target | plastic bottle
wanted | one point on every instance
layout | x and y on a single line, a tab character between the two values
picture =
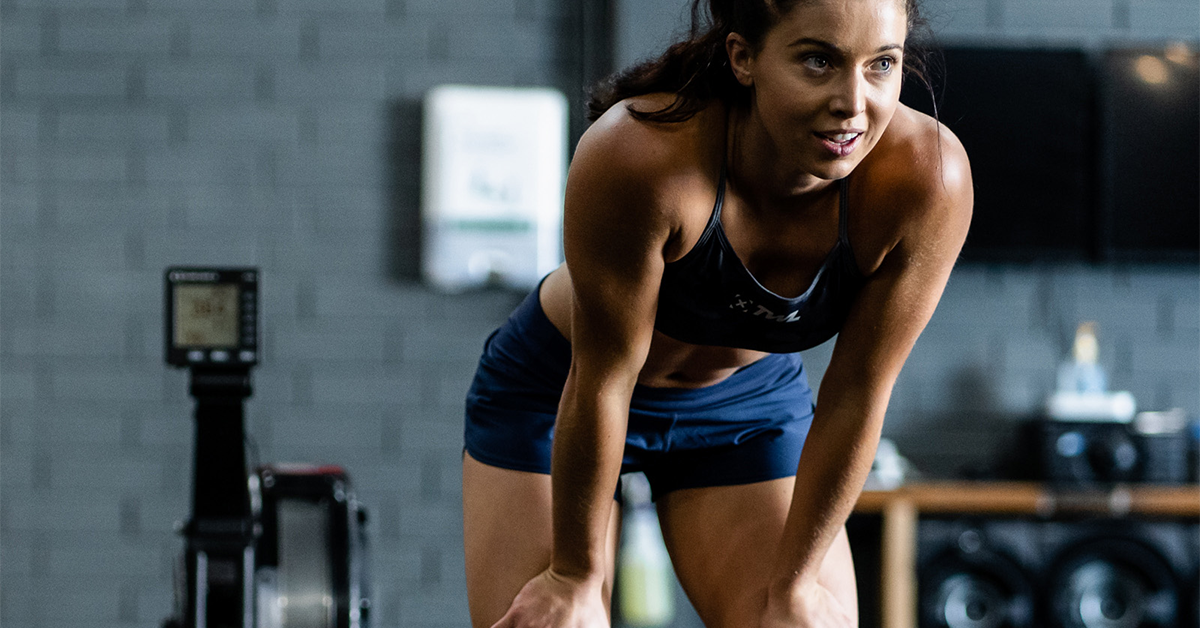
1083	374
645	582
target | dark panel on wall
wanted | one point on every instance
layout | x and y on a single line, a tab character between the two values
1151	154
1026	120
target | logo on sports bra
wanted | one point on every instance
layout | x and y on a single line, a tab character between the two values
750	307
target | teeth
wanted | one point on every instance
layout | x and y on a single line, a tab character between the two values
842	137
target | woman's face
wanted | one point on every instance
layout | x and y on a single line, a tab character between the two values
826	81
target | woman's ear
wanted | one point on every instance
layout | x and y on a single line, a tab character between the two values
741	58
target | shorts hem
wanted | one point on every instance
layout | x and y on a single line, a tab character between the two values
502	463
658	492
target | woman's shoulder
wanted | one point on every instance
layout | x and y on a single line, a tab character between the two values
633	191
627	144
669	170
920	162
914	185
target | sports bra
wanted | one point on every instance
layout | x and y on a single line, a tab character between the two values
708	297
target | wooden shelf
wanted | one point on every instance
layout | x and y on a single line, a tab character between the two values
1031	498
901	510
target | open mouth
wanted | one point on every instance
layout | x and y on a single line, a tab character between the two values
840	144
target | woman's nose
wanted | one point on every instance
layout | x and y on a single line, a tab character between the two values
850	97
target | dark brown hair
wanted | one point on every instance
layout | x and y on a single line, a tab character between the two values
697	69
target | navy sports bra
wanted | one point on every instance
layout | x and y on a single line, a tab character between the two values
708	297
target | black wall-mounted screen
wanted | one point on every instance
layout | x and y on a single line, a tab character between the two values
1026	119
1150	147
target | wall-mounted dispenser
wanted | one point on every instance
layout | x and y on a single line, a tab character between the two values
494	169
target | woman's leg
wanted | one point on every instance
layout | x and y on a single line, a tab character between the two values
723	541
507	535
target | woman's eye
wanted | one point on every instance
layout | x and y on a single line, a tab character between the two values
884	65
816	62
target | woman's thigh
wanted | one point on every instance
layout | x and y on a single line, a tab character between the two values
723	541
507	536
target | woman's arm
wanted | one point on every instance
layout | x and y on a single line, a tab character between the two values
615	229
890	312
613	240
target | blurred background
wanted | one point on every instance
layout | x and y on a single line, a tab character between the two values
287	135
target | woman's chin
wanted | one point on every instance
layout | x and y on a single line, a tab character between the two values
833	169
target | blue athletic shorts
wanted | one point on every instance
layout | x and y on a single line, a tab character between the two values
750	427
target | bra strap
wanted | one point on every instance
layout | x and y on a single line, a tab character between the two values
716	214
843	209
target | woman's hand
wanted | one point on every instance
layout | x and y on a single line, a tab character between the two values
551	600
807	605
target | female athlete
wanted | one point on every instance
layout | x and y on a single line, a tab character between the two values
750	194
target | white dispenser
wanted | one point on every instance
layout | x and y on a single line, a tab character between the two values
494	170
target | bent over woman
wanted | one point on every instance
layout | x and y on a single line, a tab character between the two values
753	192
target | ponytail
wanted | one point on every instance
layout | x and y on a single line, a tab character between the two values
696	70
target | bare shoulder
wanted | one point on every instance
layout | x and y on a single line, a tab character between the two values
644	175
922	170
921	159
648	155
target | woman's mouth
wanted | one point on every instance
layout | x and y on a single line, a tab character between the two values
840	143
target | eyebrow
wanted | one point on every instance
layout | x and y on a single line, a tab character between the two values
809	41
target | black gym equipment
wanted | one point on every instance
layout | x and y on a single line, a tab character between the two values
1099	453
310	567
284	547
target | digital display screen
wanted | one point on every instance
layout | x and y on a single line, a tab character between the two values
206	316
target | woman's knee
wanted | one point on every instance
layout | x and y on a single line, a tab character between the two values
724	541
507	536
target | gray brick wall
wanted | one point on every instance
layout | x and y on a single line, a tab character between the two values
1087	22
281	134
644	27
137	134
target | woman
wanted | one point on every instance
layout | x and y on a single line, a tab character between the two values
750	194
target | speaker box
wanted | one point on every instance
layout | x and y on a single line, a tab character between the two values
1090	452
866	548
1085	573
974	573
1114	582
1193	593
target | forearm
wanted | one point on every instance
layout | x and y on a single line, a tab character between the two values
833	467
589	442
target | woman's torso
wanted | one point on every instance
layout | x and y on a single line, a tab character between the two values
783	250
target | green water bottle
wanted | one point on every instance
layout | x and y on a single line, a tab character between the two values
645	583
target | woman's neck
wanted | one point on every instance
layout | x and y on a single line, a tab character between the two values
762	170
